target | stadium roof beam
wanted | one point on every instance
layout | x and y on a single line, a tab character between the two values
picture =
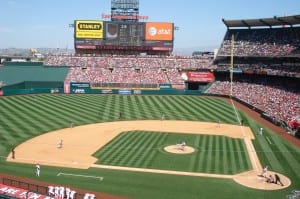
246	24
283	21
264	22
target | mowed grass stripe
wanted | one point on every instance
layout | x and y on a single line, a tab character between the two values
153	107
45	109
231	156
225	155
146	104
121	157
203	152
194	162
147	163
23	120
139	146
188	109
69	112
151	146
225	112
209	154
218	113
143	148
106	113
269	154
113	149
285	156
134	108
239	156
217	155
36	114
195	108
236	155
207	114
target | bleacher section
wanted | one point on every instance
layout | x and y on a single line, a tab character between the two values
266	69
262	42
278	98
129	71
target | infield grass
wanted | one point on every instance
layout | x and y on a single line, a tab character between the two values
24	117
141	149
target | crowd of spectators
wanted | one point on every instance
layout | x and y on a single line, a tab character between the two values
140	61
286	69
142	70
268	42
282	103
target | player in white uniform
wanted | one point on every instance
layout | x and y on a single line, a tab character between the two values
37	169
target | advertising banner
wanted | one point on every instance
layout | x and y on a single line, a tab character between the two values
125	92
197	76
80	85
159	31
19	193
88	29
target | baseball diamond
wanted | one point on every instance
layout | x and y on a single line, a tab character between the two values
77	155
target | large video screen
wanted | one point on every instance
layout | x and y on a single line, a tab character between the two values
123	35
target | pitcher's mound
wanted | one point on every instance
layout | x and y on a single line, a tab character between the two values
178	150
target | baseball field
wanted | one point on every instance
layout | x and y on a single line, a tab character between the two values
128	146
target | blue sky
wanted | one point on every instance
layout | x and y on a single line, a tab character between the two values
45	23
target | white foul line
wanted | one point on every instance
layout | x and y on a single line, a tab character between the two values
247	141
84	176
268	140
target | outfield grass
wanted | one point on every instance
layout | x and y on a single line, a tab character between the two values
24	117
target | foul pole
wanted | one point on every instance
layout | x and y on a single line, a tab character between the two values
231	65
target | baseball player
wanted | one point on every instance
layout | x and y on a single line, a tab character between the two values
261	131
13	153
162	116
37	169
60	144
264	171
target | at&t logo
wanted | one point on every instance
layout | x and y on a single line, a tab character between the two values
152	31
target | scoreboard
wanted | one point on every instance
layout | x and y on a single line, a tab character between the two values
124	34
96	34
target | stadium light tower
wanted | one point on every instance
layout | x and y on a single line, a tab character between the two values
124	10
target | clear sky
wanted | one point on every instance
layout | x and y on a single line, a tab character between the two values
45	23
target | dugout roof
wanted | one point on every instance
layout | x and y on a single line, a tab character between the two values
266	22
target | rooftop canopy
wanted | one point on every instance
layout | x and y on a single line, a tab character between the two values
270	22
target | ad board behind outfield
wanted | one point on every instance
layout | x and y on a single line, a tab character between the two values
159	31
87	29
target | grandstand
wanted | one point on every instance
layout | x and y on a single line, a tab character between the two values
266	65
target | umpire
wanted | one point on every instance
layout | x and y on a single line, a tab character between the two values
277	179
